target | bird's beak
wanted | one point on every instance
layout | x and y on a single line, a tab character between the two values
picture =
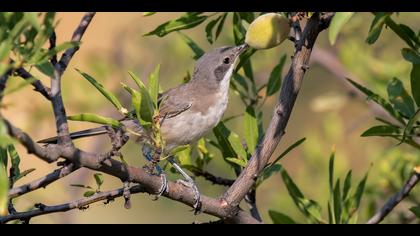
241	49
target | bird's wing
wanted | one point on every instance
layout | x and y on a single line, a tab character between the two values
171	106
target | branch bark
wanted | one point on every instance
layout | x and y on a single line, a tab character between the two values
43	209
42	182
396	199
276	129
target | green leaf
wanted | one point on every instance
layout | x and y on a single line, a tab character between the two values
24	173
146	103
357	197
411	55
241	81
40	58
244	58
268	172
81	186
135	100
274	82
337	202
3	157
184	155
399	97
416	211
20	86
337	22
378	99
154	85
99	179
280	218
309	208
89	193
290	148
400	31
376	27
148	13
179	149
411	122
198	52
347	185
209	28
46	68
32	18
236	161
415	83
331	171
251	129
186	21
220	26
221	132
108	95
4	190
5	139
89	117
383	131
15	161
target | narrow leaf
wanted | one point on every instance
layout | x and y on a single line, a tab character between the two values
99	179
415	83
376	27
148	13
378	99
154	85
89	117
382	130
347	185
146	103
198	52
4	190
89	193
290	148
411	55
251	129
110	96
186	21
399	97
337	202
209	28
236	161
280	218
274	82
337	22
15	161
416	211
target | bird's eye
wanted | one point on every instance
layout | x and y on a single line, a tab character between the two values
226	60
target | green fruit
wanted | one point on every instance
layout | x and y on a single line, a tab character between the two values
267	31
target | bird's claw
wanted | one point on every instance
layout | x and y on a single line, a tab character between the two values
197	196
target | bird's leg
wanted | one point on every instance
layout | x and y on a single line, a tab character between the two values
153	165
189	182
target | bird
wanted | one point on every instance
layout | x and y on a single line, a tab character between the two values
186	112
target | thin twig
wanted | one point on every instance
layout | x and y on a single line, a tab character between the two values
78	204
396	199
212	178
37	84
42	182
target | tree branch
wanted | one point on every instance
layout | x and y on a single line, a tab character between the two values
211	178
43	210
289	91
60	67
396	199
42	182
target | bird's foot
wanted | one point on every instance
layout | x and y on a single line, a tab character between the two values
197	197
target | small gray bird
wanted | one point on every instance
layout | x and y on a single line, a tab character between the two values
188	111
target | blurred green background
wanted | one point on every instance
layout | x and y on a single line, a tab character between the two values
324	114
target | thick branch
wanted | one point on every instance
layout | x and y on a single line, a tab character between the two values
151	183
42	182
396	199
43	210
289	91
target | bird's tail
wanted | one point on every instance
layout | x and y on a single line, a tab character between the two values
79	134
